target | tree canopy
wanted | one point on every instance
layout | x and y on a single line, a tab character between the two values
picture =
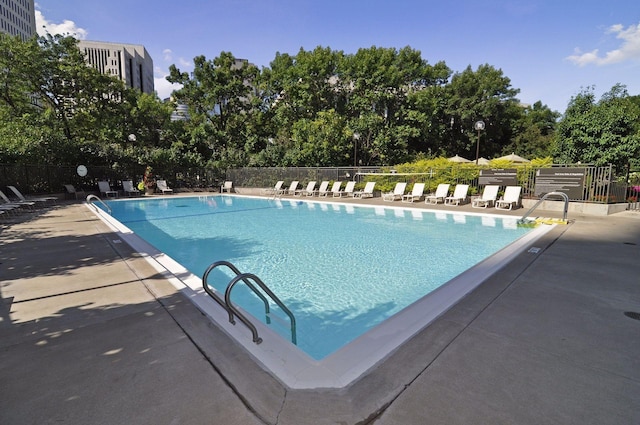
320	107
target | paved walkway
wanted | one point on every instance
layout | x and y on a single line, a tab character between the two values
90	333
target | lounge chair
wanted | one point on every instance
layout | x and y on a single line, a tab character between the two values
416	193
226	187
324	187
105	189
129	189
71	190
13	206
292	189
441	192
348	190
459	195
274	190
335	188
511	198
43	199
488	198
367	192
398	192
163	187
306	191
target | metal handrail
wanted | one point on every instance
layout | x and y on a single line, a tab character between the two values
91	198
246	278
219	300
563	195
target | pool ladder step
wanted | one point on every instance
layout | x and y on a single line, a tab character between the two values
252	282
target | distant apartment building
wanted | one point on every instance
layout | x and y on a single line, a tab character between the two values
130	63
18	17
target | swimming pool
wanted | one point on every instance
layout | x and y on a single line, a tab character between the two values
342	269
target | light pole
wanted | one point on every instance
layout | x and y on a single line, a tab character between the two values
356	137
479	126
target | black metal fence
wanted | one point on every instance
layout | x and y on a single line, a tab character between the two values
41	179
599	184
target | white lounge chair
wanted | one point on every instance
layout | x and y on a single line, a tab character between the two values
226	187
441	192
13	206
459	195
348	190
322	190
367	192
306	191
511	198
274	190
335	188
488	198
129	189
43	199
292	188
416	193
105	189
397	193
162	187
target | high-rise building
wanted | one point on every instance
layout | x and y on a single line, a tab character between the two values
130	63
18	17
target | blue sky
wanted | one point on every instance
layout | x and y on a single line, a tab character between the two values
550	50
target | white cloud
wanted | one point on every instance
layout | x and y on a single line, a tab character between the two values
629	49
161	85
67	27
167	55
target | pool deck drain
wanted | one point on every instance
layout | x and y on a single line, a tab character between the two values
91	333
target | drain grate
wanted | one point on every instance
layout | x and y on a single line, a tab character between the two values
632	315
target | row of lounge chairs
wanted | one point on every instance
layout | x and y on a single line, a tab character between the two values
323	190
12	207
510	200
128	188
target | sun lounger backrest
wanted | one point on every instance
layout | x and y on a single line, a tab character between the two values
442	190
399	189
490	192
418	189
349	187
461	191
336	186
512	193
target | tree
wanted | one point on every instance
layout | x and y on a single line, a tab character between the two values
485	94
534	132
221	98
600	133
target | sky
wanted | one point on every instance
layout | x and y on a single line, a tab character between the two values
551	50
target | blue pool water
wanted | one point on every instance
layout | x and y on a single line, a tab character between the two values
340	269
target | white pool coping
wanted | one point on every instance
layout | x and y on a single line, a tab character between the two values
293	367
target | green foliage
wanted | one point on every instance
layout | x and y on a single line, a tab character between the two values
602	132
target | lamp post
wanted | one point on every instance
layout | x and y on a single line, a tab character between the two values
356	137
479	126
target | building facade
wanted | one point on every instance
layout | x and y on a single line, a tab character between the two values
18	17
130	63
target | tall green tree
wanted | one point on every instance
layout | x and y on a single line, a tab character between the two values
534	132
222	100
600	132
481	95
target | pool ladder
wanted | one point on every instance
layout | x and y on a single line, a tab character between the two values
564	197
250	280
91	198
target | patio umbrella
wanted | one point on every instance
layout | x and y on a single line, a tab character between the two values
458	158
483	161
514	158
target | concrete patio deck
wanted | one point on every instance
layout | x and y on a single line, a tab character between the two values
91	333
